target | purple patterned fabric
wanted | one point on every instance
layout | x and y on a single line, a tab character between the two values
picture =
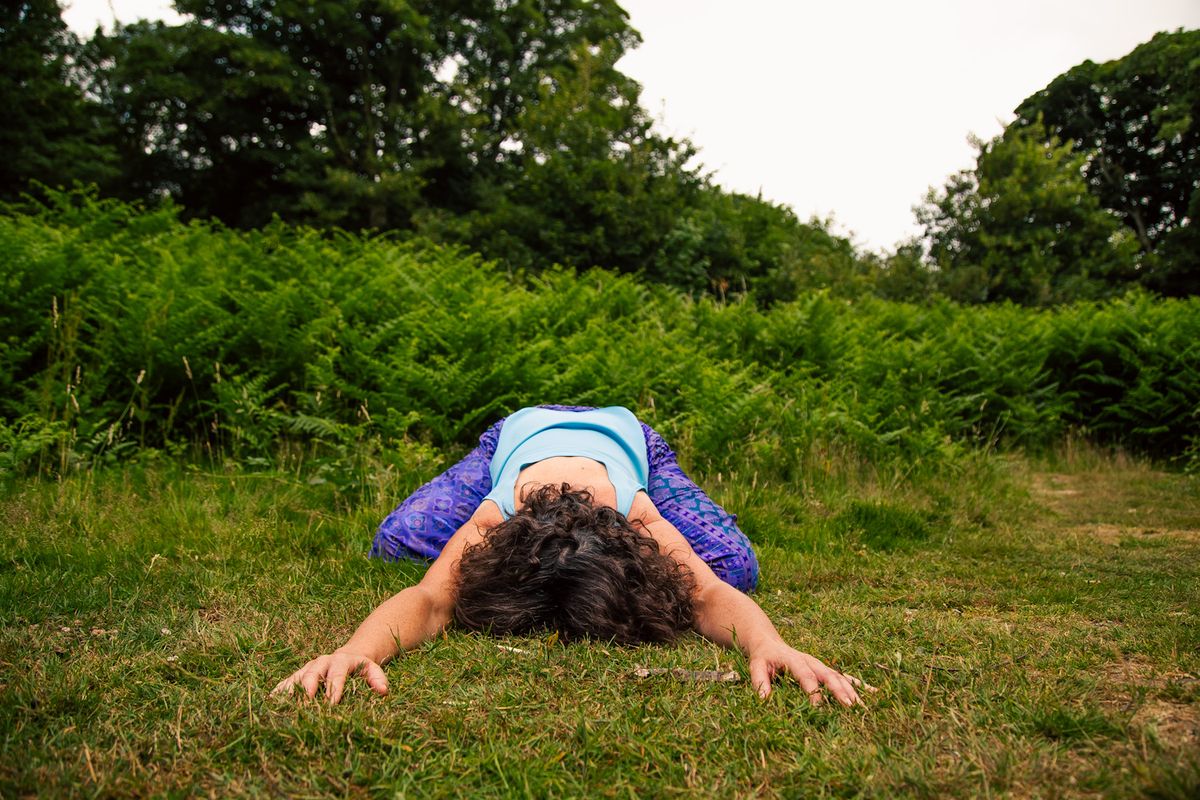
420	527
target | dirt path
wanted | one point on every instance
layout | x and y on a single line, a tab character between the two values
1146	520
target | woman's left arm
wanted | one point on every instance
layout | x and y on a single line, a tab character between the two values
730	618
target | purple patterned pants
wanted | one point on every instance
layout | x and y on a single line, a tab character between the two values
420	527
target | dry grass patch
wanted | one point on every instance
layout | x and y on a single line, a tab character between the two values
1176	726
1118	534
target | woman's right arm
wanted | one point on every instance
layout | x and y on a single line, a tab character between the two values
404	621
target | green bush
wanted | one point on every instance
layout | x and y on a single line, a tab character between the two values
126	330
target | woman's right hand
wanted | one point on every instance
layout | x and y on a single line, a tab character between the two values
332	670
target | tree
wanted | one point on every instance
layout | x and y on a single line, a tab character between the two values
518	68
1023	226
211	119
904	275
359	113
1139	119
51	133
252	108
504	125
583	180
751	243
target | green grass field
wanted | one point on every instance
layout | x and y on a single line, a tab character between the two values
1039	640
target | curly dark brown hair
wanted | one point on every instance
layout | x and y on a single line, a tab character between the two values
566	565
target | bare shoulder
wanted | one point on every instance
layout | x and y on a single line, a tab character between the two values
670	541
439	580
643	509
487	515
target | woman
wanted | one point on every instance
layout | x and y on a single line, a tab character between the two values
577	520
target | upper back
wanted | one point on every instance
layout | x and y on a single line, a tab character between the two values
611	436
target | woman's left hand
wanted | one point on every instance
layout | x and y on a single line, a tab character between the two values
809	672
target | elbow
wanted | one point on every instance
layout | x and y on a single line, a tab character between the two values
704	602
439	608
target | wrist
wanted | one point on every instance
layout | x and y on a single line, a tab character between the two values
350	648
764	644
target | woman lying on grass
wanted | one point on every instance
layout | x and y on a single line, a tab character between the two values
574	520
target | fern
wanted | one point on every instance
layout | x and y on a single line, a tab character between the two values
124	329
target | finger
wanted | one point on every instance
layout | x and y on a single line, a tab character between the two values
760	677
376	678
335	681
836	683
311	681
859	684
807	680
855	697
812	688
285	685
291	685
840	687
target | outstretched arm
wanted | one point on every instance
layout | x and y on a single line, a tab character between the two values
730	618
404	621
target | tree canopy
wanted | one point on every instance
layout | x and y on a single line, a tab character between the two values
508	126
356	113
1023	226
1138	119
1093	187
50	133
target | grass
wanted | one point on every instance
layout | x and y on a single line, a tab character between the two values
1035	634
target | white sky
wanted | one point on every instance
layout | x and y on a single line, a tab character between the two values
849	109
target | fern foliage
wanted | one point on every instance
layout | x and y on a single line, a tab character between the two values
124	330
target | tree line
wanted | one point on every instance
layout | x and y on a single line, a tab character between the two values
506	126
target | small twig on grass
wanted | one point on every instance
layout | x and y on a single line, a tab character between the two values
709	675
929	671
87	756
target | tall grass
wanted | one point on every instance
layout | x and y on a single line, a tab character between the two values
127	331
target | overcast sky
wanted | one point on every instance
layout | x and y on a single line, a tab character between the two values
850	109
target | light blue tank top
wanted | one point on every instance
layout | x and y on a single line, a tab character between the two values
612	436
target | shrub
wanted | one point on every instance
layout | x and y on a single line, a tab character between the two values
126	329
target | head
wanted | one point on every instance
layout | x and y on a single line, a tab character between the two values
565	565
